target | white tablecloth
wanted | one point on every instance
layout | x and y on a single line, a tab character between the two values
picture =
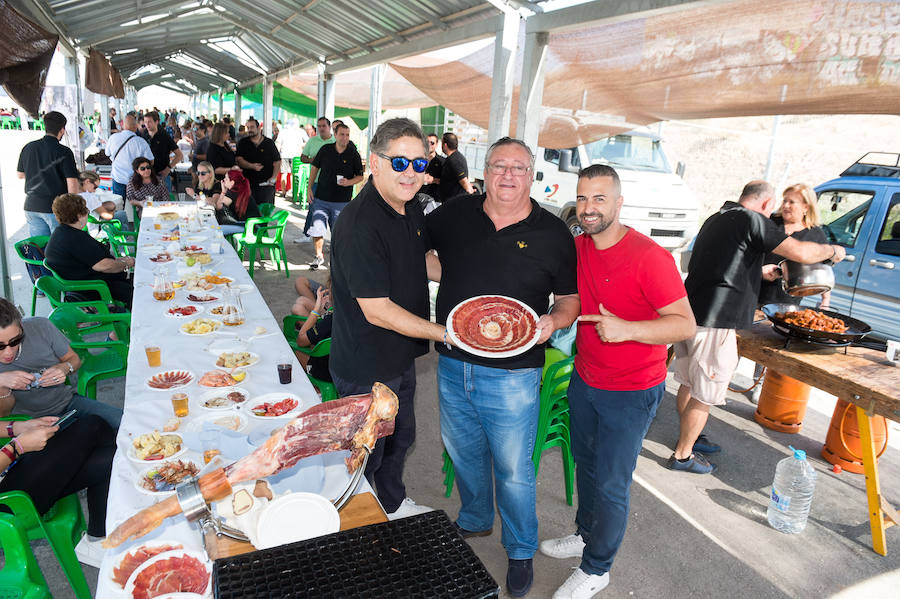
147	410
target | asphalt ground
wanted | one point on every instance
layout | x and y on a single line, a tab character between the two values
688	535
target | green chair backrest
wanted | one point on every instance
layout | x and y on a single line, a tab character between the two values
266	209
68	319
21	576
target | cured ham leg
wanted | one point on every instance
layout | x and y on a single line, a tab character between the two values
352	423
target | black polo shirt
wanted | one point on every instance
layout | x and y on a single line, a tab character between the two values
453	170
219	156
46	164
265	153
161	145
376	252
725	270
331	163
528	260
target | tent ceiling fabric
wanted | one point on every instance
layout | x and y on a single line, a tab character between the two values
352	89
101	77
25	54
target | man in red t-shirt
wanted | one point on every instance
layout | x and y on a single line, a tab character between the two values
633	303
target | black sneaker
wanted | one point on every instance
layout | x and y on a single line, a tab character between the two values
472	533
519	577
704	445
696	464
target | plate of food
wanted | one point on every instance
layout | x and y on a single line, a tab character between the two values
192	258
200	326
197	283
154	447
173	236
218	279
191	248
493	326
171	572
224	398
233	421
177	311
161	480
222	378
170	379
167	216
274	405
202	297
118	570
161	257
240	359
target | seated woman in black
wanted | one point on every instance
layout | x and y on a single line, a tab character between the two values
75	255
236	204
317	327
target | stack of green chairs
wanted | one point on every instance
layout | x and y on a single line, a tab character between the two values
9	122
299	182
109	363
321	349
553	424
41	242
264	233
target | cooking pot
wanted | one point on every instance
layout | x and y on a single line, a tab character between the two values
801	280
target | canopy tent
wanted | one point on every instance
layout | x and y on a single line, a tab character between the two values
738	58
25	54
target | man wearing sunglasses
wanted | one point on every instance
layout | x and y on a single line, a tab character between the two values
380	295
499	243
338	167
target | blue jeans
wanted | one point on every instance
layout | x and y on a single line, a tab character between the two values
488	420
324	215
40	223
119	189
86	405
310	204
608	428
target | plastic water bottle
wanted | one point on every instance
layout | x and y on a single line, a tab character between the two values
792	491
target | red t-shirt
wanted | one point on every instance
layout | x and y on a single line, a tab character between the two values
632	279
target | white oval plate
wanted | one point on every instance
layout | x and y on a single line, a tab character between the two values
129	586
199	311
145	471
222	392
196	425
462	344
214	387
272	398
216	327
109	565
132	454
178	386
296	517
254	360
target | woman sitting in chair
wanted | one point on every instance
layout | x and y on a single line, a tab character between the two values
235	205
73	254
211	191
316	328
144	185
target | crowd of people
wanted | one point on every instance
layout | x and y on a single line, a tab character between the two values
621	291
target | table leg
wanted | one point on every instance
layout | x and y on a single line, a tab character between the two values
873	486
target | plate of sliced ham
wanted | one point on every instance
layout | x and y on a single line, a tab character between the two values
117	570
493	326
170	379
176	571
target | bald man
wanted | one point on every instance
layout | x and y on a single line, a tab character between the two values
123	148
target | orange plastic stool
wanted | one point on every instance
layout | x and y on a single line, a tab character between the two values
782	403
843	445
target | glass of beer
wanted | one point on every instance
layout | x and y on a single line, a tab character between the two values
153	355
180	404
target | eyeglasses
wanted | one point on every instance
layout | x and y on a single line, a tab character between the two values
144	168
202	173
14	341
515	170
401	163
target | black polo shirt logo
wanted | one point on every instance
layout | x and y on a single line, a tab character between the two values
418	232
522	245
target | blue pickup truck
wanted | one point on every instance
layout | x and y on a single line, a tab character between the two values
861	211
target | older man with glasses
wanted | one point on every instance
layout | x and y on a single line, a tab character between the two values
499	243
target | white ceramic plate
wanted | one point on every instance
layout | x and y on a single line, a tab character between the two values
190	378
273	398
222	392
464	345
132	454
239	420
201	557
251	361
216	324
140	487
109	565
182	316
223	387
214	298
296	517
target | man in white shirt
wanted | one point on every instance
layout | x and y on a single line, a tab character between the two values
123	148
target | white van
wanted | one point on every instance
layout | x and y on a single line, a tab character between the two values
658	203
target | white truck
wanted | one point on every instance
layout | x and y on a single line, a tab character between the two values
658	203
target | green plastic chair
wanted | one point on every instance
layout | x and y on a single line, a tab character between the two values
553	425
123	243
72	286
299	182
62	527
264	233
320	350
110	363
41	242
21	576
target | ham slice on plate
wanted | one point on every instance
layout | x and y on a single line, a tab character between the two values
175	571
133	560
493	326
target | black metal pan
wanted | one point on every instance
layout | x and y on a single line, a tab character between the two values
856	329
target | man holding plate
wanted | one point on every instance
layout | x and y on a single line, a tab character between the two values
501	256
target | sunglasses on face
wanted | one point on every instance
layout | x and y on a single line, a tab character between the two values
13	342
144	168
202	173
401	163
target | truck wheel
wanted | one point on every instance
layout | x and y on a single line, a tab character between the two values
574	227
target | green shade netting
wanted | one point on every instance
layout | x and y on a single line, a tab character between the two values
303	106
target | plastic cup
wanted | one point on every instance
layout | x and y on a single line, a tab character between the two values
154	357
157	226
209	441
284	373
180	404
215	247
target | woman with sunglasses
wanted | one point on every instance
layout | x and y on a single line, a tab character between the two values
144	185
40	459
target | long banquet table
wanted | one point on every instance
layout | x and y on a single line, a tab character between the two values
147	410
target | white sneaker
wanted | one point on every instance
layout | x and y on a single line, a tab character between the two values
408	508
754	397
581	585
317	262
570	546
90	552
